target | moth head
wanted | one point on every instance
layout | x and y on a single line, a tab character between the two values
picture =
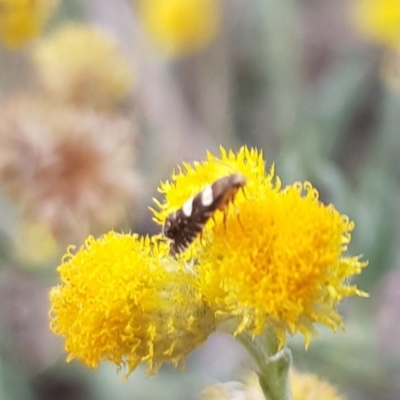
238	180
168	223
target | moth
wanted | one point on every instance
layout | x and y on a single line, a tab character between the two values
185	224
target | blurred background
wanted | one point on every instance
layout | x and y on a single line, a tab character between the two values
99	101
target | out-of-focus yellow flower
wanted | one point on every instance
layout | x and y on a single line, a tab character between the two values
124	299
83	65
233	391
67	167
277	259
379	20
304	387
34	243
180	26
307	386
21	20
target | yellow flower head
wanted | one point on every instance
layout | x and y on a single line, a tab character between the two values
21	20
34	243
83	65
180	26
276	256
123	299
304	387
379	20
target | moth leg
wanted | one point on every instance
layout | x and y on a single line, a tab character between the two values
225	216
162	239
238	215
240	221
244	193
172	250
235	208
201	238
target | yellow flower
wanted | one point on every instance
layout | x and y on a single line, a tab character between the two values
83	65
123	299
277	259
307	386
379	20
304	387
180	26
21	20
34	243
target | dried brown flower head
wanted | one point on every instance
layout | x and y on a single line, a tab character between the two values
69	167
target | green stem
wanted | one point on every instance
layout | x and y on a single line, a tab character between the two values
273	364
283	62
